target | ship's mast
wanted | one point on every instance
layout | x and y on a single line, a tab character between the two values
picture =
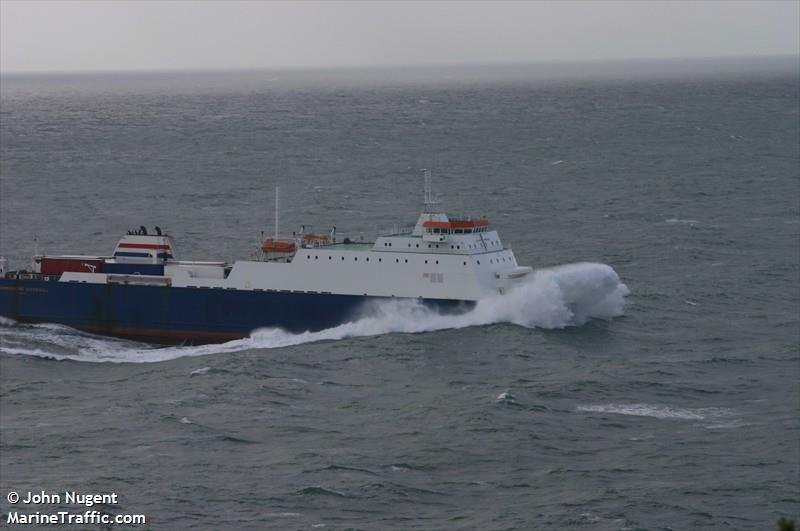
428	199
277	209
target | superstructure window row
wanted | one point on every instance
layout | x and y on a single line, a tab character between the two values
456	231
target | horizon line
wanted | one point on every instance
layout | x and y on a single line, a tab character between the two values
400	66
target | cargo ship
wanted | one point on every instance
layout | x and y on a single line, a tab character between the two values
307	282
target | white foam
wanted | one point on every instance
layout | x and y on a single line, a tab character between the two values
656	411
567	295
5	321
32	352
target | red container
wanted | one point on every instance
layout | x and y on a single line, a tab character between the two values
59	264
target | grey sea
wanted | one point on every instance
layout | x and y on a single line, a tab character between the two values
681	413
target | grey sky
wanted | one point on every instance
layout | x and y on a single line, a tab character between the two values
94	35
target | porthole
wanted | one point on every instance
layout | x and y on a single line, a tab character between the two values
380	260
426	261
479	262
429	246
343	259
368	259
308	257
437	261
316	257
355	259
409	245
417	246
406	261
397	260
465	263
330	257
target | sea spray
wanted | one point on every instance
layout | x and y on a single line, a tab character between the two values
557	297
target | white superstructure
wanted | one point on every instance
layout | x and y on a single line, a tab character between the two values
441	258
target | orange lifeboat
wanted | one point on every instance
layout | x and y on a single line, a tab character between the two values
278	246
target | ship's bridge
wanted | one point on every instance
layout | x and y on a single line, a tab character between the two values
438	233
139	247
440	230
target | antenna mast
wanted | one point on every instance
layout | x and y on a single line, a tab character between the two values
277	209
428	199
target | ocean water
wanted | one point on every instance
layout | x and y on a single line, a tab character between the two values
675	407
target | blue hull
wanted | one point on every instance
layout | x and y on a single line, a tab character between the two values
180	315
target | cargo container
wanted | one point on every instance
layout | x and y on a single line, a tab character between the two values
56	265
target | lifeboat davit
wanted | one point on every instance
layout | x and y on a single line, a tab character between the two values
316	240
278	246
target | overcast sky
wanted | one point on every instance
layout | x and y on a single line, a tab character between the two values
148	35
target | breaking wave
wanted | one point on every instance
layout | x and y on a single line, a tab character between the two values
557	297
657	411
